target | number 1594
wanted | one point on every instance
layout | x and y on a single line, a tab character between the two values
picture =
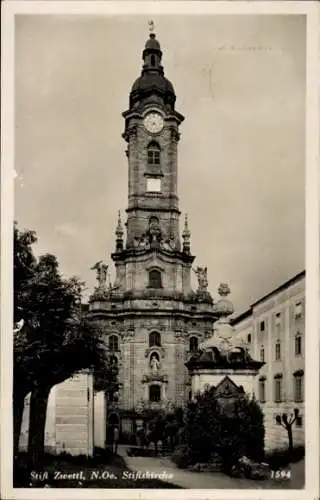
281	474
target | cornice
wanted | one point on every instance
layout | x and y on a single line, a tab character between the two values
129	253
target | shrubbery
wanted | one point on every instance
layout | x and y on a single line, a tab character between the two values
282	457
231	428
181	456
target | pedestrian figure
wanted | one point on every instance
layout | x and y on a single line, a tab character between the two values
115	440
141	437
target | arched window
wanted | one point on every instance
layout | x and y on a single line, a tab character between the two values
193	344
153	153
155	393
154	339
113	343
155	280
153	60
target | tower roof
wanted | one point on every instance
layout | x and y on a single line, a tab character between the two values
152	81
152	43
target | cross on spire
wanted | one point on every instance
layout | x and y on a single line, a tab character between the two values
151	26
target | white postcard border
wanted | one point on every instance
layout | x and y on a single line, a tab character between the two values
10	8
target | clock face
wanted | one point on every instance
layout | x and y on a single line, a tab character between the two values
153	123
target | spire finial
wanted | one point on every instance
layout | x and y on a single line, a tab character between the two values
224	290
186	235
119	233
151	26
223	307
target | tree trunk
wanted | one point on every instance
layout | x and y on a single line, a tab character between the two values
18	407
38	413
289	429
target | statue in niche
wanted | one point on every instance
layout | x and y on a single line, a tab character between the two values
101	269
172	244
201	273
154	363
154	231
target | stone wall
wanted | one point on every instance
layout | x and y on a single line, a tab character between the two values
69	423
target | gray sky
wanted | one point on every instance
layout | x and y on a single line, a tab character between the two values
239	81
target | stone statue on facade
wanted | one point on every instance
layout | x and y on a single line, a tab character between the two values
144	243
140	406
101	269
170	406
154	364
201	273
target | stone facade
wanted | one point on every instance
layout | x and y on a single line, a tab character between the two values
151	312
274	330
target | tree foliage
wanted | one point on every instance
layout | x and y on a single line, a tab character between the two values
55	339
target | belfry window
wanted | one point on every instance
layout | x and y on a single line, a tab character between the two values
153	154
153	60
155	279
154	339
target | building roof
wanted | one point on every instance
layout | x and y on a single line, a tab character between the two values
280	288
283	286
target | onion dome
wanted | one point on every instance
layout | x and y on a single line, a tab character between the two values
152	43
152	80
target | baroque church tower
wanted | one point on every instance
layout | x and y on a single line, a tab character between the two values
152	318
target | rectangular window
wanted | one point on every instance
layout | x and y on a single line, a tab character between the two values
262	326
278	390
155	393
298	388
262	391
298	310
262	354
153	185
278	351
298	344
249	338
299	421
